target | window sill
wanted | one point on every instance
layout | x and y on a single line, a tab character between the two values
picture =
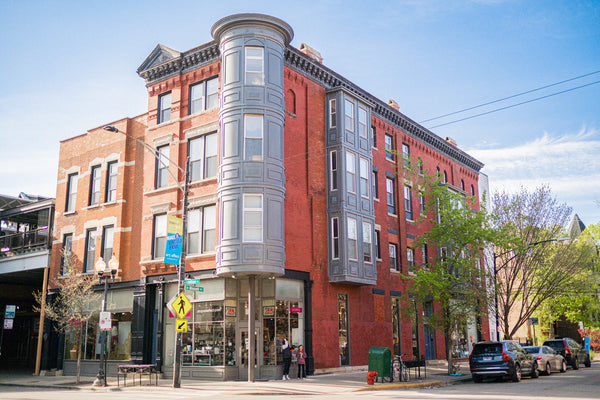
376	199
161	190
392	215
394	271
68	213
194	256
203	180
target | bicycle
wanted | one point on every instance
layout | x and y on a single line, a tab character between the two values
399	369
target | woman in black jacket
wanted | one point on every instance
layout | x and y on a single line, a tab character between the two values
286	353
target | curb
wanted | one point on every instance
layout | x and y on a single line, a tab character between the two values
401	386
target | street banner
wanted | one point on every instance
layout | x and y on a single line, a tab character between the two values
174	240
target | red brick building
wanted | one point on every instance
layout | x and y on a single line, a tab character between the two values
293	200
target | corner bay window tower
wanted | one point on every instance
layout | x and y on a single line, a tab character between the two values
251	189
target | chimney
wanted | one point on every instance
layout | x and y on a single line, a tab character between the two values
451	141
312	53
392	103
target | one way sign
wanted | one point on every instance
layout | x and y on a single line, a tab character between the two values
181	325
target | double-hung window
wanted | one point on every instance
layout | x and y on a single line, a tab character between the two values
350	172
107	242
162	167
202	223
406	155
335	238
111	182
333	170
94	185
375	185
164	107
90	250
422	204
203	157
253	137
378	244
159	236
204	95
424	255
254	57
390	189
362	122
410	256
65	262
352	239
393	249
349	115
332	114
408	210
71	193
253	218
364	177
374	136
389	147
367	242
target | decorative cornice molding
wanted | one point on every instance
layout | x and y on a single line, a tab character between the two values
301	63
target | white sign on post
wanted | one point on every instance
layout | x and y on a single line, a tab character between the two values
105	321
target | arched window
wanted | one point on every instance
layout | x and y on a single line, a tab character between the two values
290	101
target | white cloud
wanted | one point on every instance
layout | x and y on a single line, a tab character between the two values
569	164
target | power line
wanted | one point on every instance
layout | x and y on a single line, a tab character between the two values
509	97
515	105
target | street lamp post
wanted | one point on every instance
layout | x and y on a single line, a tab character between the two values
181	268
105	273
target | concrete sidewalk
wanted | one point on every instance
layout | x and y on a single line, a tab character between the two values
324	383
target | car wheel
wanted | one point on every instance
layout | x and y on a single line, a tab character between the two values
534	371
548	370
588	362
477	379
563	366
516	375
575	363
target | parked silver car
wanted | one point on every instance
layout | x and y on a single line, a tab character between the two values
548	360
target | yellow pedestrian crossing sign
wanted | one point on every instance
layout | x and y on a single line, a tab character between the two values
181	325
181	305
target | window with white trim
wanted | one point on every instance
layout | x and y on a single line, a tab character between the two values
71	192
349	115
90	250
254	65
65	261
202	223
390	188
352	239
164	108
108	233
253	218
204	95
350	172
362	122
364	177
393	249
375	185
94	185
406	155
332	113
408	210
389	147
253	137
333	170
159	236
203	157
410	256
367	242
111	182
162	167
335	238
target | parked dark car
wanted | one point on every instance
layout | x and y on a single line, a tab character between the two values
547	359
501	359
571	351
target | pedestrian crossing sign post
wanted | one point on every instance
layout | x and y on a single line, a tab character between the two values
181	325
181	305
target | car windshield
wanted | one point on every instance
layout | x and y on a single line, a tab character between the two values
532	350
555	344
491	348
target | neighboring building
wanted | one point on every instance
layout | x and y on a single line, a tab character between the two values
25	242
295	200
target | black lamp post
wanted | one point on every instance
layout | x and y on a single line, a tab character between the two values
105	273
181	268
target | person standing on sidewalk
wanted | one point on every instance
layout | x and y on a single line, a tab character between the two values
301	359
286	354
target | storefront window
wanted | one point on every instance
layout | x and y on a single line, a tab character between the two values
204	344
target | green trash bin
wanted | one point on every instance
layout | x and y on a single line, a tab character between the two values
380	361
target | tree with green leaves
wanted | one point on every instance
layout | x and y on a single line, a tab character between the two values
534	261
454	280
74	304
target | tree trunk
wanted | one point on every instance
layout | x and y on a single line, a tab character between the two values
79	334
448	339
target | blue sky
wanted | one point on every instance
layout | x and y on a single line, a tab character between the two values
69	66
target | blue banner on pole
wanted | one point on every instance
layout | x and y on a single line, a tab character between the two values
173	249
